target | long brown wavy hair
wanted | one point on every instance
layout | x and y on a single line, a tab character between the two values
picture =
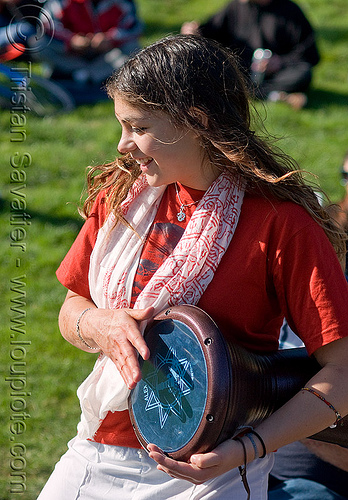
188	77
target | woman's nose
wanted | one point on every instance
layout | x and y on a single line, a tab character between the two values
126	143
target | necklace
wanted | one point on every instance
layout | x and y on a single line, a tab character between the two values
181	214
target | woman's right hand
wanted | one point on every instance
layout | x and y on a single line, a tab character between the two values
115	331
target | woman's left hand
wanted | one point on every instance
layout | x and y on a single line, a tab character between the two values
201	467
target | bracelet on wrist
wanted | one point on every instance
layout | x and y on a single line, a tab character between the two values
243	468
319	396
252	440
78	330
264	452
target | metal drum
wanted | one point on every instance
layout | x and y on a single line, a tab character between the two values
197	390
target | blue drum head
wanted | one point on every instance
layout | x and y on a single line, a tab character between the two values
169	402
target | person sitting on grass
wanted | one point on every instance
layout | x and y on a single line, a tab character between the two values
280	26
87	39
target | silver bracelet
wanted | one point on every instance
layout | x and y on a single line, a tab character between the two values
251	439
78	330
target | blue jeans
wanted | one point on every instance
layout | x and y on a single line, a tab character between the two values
302	489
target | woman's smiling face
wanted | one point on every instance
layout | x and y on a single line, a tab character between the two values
165	153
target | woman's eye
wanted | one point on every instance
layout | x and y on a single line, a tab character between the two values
138	130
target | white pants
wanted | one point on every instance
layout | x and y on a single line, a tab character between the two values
93	471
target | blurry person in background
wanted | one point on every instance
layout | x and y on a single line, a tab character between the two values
282	72
91	38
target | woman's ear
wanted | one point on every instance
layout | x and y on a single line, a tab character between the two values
200	117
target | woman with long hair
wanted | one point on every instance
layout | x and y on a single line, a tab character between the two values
198	209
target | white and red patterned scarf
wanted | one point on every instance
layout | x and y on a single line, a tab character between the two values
181	279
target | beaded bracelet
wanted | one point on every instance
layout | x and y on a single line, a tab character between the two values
78	330
338	415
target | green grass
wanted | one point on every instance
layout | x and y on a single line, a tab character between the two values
60	148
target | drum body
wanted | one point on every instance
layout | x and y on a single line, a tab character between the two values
197	390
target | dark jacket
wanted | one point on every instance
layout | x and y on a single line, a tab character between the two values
280	26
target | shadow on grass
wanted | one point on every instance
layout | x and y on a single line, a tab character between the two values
318	98
334	35
53	220
74	223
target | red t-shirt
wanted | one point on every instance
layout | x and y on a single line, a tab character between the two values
279	263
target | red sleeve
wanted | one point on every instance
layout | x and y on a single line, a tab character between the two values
73	271
312	288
